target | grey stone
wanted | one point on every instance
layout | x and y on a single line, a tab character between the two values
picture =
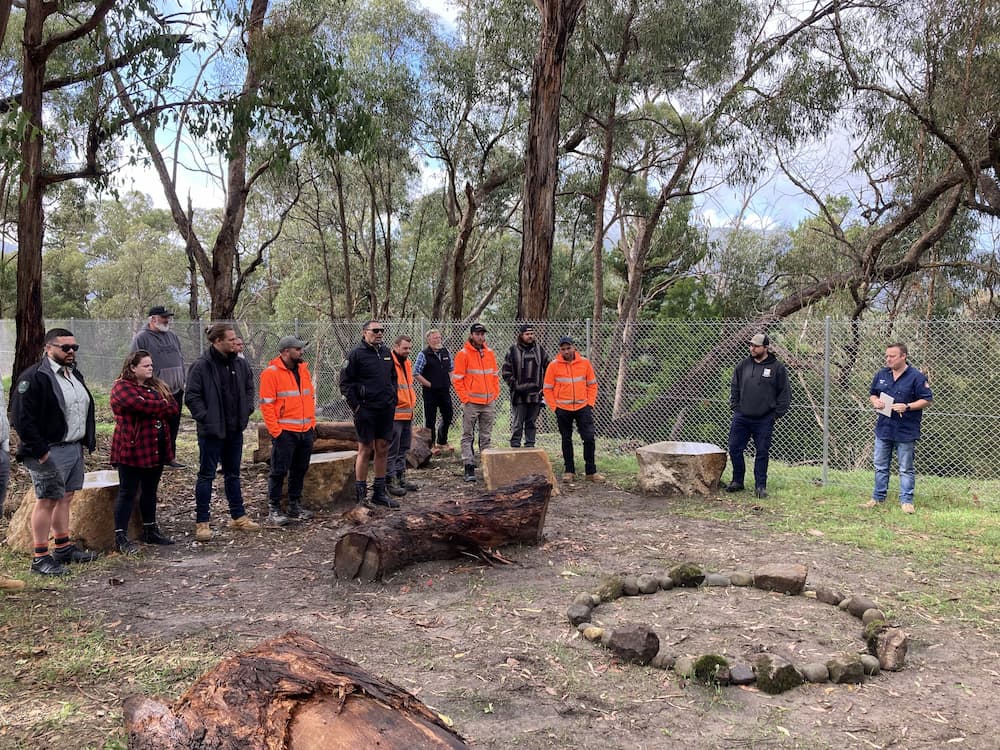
578	613
684	666
741	674
687	575
870	664
609	589
648	584
630	586
586	599
584	625
871	615
776	675
843	604
663	661
858	605
741	578
716	579
891	646
846	668
634	643
665	581
605	637
788	578
815	671
829	595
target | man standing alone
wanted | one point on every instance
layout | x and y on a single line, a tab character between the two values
168	363
571	392
910	392
54	417
432	369
368	384
524	373
288	406
477	384
758	395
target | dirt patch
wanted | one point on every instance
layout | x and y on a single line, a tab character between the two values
490	647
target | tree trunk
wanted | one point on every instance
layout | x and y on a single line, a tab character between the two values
444	530
542	157
288	693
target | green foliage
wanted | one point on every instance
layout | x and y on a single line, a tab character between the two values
707	668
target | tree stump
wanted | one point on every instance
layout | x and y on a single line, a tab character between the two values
502	466
329	481
91	515
288	693
444	530
680	468
420	448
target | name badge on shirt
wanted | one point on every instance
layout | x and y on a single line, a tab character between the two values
766	373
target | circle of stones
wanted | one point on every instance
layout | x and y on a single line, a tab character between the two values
771	673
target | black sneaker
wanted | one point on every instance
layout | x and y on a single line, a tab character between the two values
760	492
73	554
734	487
277	518
177	465
47	566
298	513
124	545
151	534
470	473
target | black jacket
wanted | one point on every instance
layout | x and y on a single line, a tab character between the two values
368	378
204	395
38	412
760	388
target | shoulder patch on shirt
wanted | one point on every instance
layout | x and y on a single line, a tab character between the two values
23	386
343	365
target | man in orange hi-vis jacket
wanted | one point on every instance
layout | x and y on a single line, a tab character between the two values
571	391
402	425
476	378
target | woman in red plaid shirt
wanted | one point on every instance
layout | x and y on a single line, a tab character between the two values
143	406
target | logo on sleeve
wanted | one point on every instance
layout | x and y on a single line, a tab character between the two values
22	387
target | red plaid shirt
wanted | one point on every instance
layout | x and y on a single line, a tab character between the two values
140	413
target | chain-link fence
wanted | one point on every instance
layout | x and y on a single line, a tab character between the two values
669	380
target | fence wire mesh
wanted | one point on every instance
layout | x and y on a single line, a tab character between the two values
669	380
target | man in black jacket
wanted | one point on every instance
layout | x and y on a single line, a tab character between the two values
220	397
759	394
368	383
524	373
53	413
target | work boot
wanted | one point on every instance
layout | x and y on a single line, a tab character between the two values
297	512
597	478
47	566
73	554
734	487
381	497
151	534
361	494
276	518
407	485
123	544
243	523
470	472
395	487
760	491
202	532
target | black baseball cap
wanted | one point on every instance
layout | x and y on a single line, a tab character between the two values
477	328
566	340
161	311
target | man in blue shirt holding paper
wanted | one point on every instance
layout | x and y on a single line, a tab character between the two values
910	392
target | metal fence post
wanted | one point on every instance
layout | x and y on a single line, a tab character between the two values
826	398
589	352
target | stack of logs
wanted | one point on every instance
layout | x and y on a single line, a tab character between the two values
341	436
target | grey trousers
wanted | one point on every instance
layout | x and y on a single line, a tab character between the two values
481	416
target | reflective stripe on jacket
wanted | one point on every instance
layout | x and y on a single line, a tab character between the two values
476	376
284	403
570	385
406	396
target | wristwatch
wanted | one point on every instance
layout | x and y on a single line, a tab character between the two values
907	407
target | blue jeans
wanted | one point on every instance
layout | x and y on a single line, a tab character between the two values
212	451
907	476
741	431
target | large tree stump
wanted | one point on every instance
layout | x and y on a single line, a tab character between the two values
503	466
288	693
444	530
91	515
680	468
329	481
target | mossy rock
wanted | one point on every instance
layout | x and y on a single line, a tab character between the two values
708	667
775	675
609	589
687	575
871	633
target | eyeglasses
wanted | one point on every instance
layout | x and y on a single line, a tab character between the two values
375	330
67	347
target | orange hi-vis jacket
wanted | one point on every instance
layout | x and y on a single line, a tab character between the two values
283	403
406	396
570	385
475	375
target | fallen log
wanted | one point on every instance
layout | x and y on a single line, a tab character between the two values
330	438
446	529
288	693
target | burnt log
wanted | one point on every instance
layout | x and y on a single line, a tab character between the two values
288	693
445	529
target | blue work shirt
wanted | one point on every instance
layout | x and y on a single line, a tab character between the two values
911	386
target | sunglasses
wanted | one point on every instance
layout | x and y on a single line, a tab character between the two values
375	330
67	347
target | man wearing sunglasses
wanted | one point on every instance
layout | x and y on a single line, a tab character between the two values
54	416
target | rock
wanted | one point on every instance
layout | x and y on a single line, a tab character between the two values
776	675
609	589
584	625
665	581
684	666
662	661
709	668
871	615
858	605
815	671
578	613
716	579
419	454
647	584
585	599
843	604
741	578
503	466
846	668
787	578
634	643
680	468
91	515
870	664
329	481
829	595
889	645
593	633
741	674
605	637
687	575
630	586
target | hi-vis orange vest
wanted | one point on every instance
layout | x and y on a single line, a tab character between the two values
406	396
284	404
476	376
570	385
